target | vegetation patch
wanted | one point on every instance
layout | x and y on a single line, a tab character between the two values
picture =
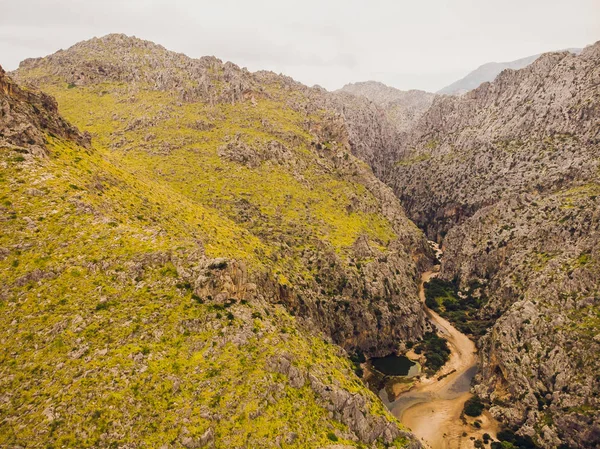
473	407
436	351
507	439
460	308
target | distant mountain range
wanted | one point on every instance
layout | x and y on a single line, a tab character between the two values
488	72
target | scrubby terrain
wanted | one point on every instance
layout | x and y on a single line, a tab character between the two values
259	150
194	254
193	267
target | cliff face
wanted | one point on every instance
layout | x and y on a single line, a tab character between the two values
378	118
193	276
530	130
371	134
535	258
506	177
26	116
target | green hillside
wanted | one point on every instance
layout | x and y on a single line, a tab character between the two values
182	280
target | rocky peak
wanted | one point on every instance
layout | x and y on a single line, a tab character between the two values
117	58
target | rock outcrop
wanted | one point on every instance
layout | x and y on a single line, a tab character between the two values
27	115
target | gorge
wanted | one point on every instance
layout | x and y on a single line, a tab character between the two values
196	255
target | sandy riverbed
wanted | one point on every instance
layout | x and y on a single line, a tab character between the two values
432	408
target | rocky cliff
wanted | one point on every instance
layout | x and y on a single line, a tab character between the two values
530	130
534	258
194	276
27	116
506	177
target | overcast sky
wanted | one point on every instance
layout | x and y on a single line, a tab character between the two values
417	44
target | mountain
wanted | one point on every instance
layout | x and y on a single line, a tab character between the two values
194	267
403	108
507	178
378	118
200	256
488	72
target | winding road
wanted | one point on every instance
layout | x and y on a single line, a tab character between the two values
432	408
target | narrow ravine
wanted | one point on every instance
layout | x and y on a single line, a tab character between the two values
432	409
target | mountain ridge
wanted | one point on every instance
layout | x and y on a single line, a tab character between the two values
489	71
197	262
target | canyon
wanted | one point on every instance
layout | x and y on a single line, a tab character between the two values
195	255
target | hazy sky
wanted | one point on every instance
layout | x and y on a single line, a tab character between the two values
424	44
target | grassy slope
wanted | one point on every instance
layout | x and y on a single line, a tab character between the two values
102	342
312	204
95	352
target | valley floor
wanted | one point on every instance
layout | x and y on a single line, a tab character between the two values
433	408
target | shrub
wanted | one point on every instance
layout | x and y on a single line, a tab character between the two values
473	407
432	303
435	349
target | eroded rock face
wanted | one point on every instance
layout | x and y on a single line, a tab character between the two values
530	130
372	136
507	178
377	119
26	115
